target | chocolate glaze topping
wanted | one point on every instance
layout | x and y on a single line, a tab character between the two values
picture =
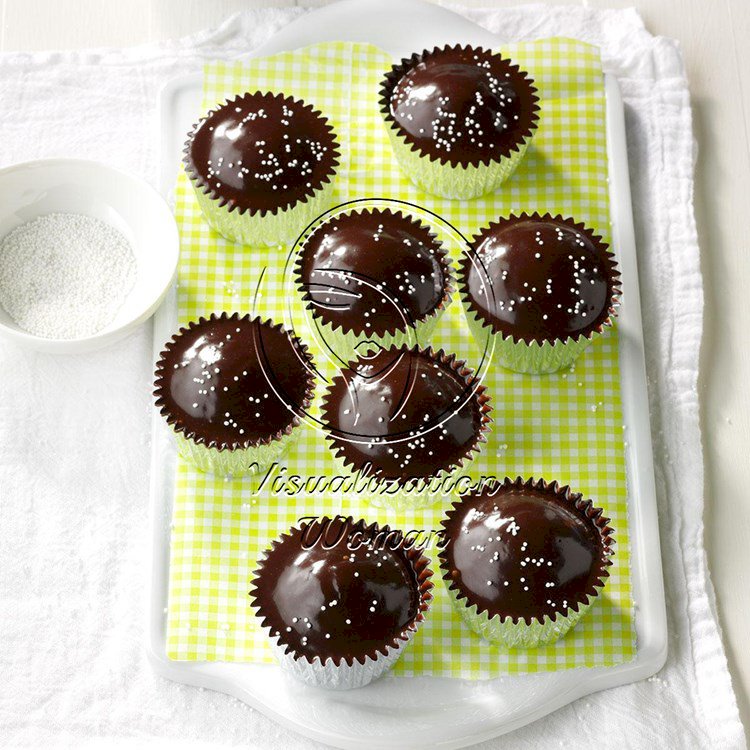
324	591
463	104
408	412
373	272
539	278
261	152
525	549
233	381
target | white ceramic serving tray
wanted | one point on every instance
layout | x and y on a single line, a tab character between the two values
406	712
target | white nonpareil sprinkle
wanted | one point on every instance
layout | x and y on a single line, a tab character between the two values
65	276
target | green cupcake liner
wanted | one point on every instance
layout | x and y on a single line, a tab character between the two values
275	226
530	632
223	457
505	632
532	358
440	174
348	345
264	229
237	461
535	357
448	181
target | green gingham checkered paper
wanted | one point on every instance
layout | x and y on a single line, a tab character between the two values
566	426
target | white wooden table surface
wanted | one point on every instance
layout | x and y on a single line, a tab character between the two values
715	38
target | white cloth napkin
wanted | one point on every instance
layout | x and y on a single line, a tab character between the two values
74	431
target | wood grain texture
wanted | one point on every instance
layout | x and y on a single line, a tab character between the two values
175	18
714	38
70	24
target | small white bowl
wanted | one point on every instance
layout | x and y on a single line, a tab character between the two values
123	201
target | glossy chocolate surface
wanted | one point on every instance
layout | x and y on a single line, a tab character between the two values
372	272
463	104
232	381
336	598
262	151
522	553
405	412
539	279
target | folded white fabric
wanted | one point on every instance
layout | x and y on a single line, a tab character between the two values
74	457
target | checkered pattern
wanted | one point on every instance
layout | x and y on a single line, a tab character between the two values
566	426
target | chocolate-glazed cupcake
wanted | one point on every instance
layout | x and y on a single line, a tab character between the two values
406	416
233	388
524	560
459	118
262	166
341	600
538	289
373	279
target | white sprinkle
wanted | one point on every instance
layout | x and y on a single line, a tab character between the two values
65	276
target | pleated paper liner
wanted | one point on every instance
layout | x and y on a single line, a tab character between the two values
267	227
341	672
441	174
239	457
531	632
349	339
517	354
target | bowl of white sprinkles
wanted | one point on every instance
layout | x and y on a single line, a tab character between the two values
87	252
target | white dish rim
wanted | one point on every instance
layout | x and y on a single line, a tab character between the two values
145	310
